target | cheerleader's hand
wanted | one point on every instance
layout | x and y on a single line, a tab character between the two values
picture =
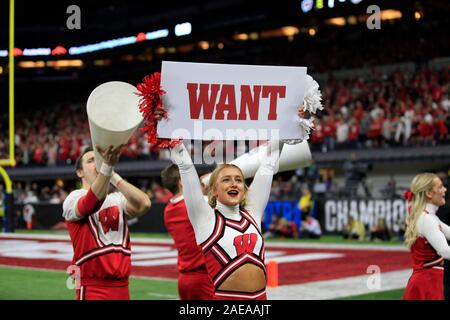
305	126
312	102
179	155
301	112
159	114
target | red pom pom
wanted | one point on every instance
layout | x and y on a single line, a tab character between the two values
408	195
150	92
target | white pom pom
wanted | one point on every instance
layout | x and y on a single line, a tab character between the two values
305	127
311	102
313	97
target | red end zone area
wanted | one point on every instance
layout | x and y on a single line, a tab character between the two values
298	263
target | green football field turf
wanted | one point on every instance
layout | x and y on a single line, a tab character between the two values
385	295
31	284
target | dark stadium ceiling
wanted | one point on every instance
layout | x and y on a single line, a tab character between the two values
43	23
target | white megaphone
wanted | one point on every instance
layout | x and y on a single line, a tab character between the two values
113	113
292	157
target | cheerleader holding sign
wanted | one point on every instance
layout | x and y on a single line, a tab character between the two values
227	227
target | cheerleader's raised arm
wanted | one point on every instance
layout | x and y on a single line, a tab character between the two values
435	231
200	213
259	190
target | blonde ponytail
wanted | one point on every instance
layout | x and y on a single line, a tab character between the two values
419	186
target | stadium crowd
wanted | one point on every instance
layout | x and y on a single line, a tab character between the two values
385	110
380	110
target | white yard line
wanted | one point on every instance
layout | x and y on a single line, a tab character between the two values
350	246
339	288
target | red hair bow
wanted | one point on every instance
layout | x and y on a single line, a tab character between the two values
408	195
150	92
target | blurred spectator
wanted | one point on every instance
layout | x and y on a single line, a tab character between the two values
380	231
28	213
55	199
160	193
31	197
354	229
389	191
305	203
311	228
404	128
329	133
342	133
351	176
401	231
2	206
355	174
282	228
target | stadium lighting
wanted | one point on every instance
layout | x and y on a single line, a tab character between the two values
108	44
241	36
37	52
290	31
338	21
204	45
17	52
352	20
390	14
417	15
185	48
183	29
64	63
253	36
319	4
59	50
141	37
160	50
307	5
157	34
102	45
31	64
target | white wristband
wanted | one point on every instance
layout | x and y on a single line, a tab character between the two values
106	170
115	179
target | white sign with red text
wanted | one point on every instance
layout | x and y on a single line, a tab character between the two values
208	101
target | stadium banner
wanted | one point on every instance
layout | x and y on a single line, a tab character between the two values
208	101
286	209
335	213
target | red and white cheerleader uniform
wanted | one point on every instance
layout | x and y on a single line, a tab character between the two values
229	236
101	245
428	253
